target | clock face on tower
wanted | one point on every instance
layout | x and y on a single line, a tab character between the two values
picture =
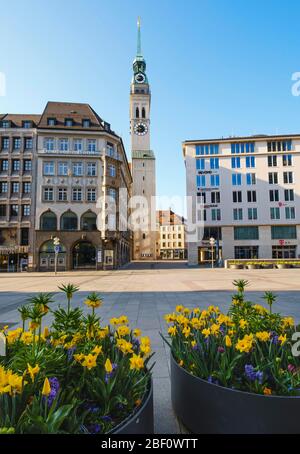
140	129
140	78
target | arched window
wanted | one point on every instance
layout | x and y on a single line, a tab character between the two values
68	221
137	113
143	112
48	247
89	221
48	221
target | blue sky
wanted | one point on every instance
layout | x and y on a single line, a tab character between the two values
216	68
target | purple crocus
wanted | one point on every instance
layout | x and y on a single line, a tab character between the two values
252	374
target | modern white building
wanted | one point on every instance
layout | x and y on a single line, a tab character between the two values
250	193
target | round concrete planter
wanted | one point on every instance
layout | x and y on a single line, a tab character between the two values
205	408
142	421
252	267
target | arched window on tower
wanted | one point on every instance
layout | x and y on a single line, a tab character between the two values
137	113
143	112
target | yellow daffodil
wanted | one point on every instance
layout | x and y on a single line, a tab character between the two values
33	371
114	321
123	320
13	336
186	331
97	350
170	318
89	361
27	337
206	332
282	338
46	332
137	332
243	324
244	345
186	311
196	311
79	357
182	320
215	329
197	323
123	331
108	366
180	363
172	330
260	309
288	322
193	343
263	336
124	346
46	388
204	314
228	342
136	362
179	308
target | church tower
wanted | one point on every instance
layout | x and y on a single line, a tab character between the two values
143	159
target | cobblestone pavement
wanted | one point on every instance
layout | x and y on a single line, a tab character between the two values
145	292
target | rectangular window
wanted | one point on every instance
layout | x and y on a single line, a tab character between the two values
86	123
27	165
251	196
4	165
274	195
63	168
5	143
76	194
14	210
273	178
250	162
208	149
246	233
290	213
28	143
275	213
235	163
91	195
16	165
236	179
200	164
215	197
283	232
63	144
51	121
48	194
201	197
238	214
48	168
252	214
62	194
16	143
251	178
214	163
111	170
15	187
3	187
77	169
77	145
202	215
288	177
2	211
246	252
287	160
91	145
49	144
248	147
112	193
26	187
201	181
5	124
25	210
237	196
280	145
215	180
216	214
272	161
27	124
91	169
68	122
289	195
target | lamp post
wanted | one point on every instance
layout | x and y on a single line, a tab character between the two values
212	242
56	242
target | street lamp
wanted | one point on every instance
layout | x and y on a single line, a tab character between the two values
56	242
212	242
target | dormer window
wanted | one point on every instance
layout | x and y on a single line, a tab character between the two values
51	121
86	123
68	122
5	124
27	124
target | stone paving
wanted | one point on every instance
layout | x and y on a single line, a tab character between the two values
145	292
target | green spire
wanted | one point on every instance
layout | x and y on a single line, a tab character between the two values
139	41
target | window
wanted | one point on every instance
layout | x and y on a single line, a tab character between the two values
238	214
76	194
274	195
2	211
202	215
282	145
252	214
251	196
63	144
290	213
92	145
5	143
3	187
27	124
14	210
216	214
237	148
251	178
289	195
62	194
51	121
283	252
235	163
112	193
24	236
16	165
214	163
48	168
48	221
287	160
49	144
111	170
215	180
91	169
86	123
283	232
16	143
5	124
275	213
4	165
68	221
273	178
28	143
68	122
246	252
200	164
201	197
215	197
15	187
246	233
110	149
63	168
25	210
201	181
272	161
236	179
26	188
91	195
89	221
237	196
250	161
27	165
77	169
288	177
77	145
48	194
207	149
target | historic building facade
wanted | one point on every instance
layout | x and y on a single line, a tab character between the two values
143	160
171	239
17	191
248	192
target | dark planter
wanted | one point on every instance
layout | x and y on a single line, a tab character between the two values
141	422
205	408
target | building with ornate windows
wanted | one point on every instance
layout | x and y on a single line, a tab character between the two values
17	192
171	239
246	195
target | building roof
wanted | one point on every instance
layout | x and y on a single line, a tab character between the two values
168	217
17	119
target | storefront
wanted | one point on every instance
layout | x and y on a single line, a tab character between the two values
13	259
207	253
173	254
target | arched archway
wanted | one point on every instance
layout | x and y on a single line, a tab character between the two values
84	255
88	221
69	221
48	221
47	256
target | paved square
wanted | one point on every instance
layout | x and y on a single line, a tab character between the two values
145	292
